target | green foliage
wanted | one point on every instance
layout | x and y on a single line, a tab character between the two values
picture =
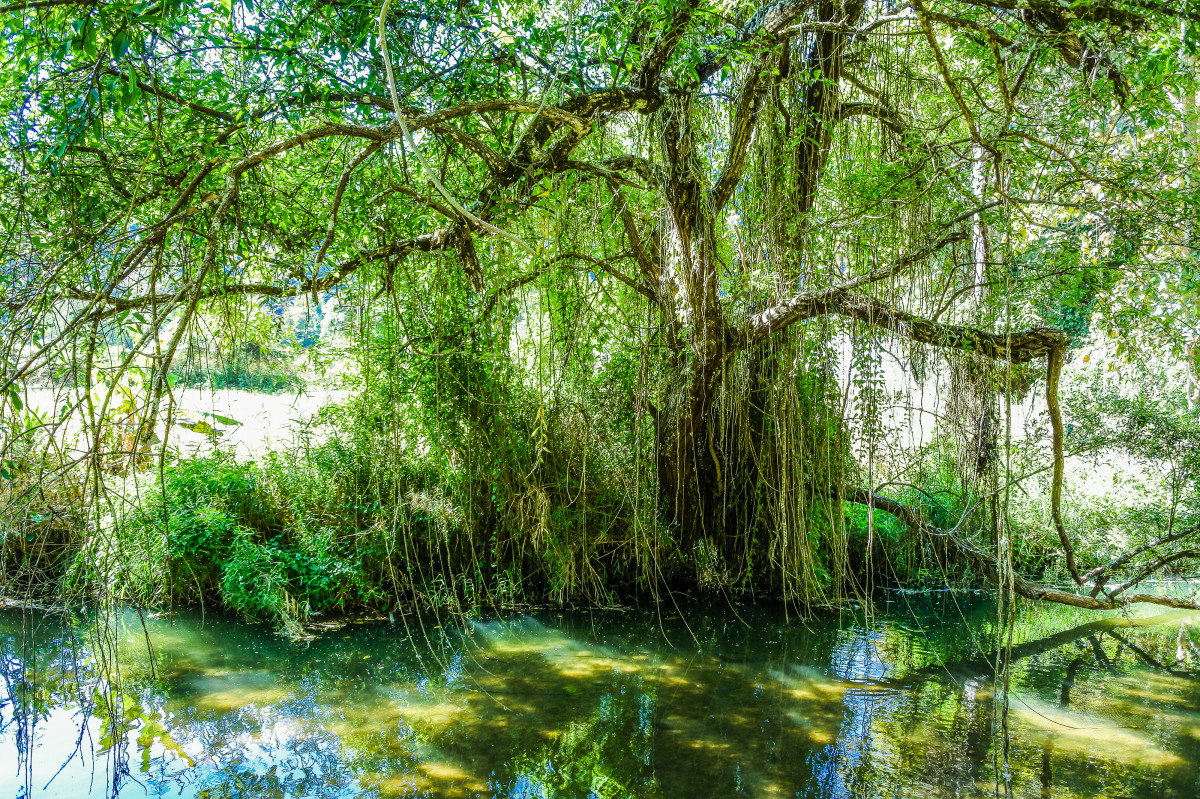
1151	422
219	530
41	517
581	390
1151	432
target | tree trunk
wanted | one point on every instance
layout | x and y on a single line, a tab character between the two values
707	466
689	470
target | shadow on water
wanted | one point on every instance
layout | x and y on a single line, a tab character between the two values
733	703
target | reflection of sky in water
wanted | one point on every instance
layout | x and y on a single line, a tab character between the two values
857	658
598	705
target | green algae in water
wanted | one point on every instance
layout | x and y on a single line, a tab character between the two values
714	702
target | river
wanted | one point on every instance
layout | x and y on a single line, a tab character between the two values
666	701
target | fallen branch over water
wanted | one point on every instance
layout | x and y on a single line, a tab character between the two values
989	565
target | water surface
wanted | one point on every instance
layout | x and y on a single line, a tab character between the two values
662	702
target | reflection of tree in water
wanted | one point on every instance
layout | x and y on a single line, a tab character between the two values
606	706
1083	720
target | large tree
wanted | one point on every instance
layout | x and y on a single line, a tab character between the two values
747	173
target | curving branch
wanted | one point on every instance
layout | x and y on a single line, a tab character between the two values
891	120
331	225
645	170
1152	569
1120	560
1018	347
808	304
653	285
416	151
650	267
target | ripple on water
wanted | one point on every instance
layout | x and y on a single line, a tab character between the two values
629	704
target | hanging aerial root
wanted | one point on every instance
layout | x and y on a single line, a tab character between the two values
1054	361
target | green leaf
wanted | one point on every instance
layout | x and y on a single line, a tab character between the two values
222	419
119	46
204	428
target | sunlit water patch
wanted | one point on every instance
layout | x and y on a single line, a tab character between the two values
698	702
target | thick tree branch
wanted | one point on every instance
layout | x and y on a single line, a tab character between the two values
815	303
745	119
1057	18
647	262
660	52
1097	11
1166	9
468	258
599	171
771	20
632	163
37	5
1015	348
887	116
652	284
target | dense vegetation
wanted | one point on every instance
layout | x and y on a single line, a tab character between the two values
621	290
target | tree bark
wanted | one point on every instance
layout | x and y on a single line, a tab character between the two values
689	470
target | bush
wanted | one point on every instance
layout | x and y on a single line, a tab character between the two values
215	529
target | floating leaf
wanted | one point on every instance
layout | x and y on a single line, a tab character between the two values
202	427
222	419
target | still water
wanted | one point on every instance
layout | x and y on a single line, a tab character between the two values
663	702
